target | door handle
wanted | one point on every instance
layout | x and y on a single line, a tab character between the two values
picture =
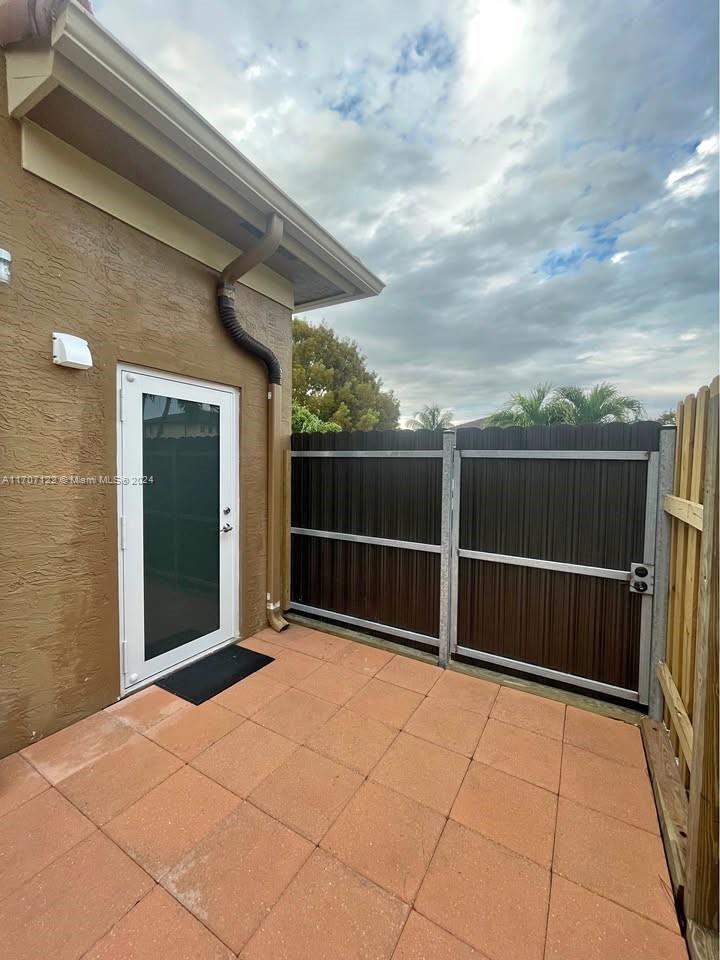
226	528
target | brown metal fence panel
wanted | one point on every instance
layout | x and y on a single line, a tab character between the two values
369	440
590	512
577	625
398	588
567	510
399	499
643	435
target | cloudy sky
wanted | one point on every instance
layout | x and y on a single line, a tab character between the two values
535	180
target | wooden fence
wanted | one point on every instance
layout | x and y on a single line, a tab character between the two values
685	767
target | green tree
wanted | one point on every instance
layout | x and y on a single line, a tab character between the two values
303	421
431	417
545	404
666	418
602	403
534	409
332	381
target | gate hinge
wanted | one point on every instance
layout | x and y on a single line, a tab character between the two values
642	578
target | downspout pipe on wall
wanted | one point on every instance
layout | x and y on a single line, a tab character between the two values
265	247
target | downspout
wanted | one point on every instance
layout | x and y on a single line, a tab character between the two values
265	247
29	19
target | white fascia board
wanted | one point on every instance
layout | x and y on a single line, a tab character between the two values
83	42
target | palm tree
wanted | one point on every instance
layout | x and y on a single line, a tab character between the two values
431	417
545	404
602	403
535	409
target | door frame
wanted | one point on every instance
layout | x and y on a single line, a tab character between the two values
234	446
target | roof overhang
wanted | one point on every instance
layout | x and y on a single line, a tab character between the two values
90	93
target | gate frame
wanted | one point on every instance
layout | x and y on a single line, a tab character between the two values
654	554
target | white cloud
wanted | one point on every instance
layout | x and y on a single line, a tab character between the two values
455	146
698	175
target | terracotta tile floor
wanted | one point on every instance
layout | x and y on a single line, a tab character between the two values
343	803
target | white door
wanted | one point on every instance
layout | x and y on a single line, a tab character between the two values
178	506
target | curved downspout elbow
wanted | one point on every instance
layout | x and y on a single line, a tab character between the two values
30	19
243	339
265	247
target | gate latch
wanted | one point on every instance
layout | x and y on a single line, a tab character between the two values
642	578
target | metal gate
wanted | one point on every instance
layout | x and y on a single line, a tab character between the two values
529	550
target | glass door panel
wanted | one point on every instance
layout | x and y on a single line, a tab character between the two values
181	532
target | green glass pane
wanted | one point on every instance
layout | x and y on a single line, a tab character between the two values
181	511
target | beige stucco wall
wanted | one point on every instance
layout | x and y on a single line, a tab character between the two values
79	270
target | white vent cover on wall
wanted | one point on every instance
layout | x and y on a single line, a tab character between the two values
71	351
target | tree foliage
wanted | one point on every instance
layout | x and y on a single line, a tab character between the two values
304	421
533	409
332	381
431	417
545	404
602	403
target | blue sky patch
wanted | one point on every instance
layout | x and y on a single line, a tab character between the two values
428	49
349	106
600	244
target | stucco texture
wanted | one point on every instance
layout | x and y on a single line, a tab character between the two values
135	300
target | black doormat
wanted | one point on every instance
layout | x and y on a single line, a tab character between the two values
205	678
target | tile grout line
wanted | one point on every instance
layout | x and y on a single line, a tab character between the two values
50	863
552	855
183	763
122	916
622	906
49	786
434	921
269	909
610	816
602	896
602	756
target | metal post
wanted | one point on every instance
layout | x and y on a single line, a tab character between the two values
648	557
445	541
662	571
455	551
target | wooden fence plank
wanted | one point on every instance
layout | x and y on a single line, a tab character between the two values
670	800
685	510
697	476
702	943
671	654
702	863
686	456
679	720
